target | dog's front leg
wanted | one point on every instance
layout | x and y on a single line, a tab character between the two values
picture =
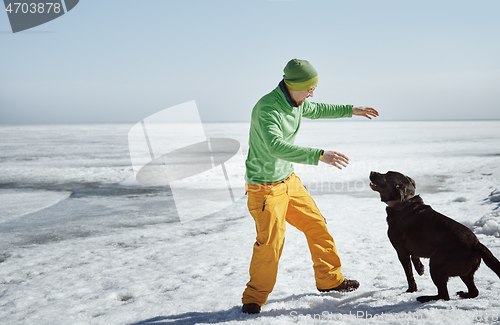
405	260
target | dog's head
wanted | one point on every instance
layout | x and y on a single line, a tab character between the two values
392	186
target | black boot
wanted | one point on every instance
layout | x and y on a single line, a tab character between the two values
346	286
250	308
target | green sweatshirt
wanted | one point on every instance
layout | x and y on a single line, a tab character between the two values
275	123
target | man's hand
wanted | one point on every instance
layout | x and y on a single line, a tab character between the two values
364	111
335	159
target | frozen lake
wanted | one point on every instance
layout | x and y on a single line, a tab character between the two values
82	242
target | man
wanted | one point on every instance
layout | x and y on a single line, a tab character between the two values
276	194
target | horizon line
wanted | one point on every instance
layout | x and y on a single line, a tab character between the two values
248	121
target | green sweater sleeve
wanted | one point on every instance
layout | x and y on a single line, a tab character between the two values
314	110
271	129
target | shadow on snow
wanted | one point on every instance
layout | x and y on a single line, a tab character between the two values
351	306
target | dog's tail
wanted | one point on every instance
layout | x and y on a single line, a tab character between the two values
491	261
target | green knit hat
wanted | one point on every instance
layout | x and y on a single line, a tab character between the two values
300	75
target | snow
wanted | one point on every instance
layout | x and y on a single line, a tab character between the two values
113	251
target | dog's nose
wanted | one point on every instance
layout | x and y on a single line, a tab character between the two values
374	176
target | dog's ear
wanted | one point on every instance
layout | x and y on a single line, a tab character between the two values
401	190
412	182
407	192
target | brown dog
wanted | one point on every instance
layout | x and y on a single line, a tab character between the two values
416	230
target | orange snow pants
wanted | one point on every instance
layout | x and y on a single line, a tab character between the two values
271	205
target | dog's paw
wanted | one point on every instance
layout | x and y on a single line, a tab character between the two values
467	295
424	299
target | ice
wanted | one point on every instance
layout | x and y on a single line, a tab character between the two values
488	224
89	245
16	203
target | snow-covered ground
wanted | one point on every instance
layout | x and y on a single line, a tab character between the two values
82	243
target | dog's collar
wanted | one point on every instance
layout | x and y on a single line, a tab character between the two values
396	202
392	203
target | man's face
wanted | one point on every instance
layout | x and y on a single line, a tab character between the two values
300	96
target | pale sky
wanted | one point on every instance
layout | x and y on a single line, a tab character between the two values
121	61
